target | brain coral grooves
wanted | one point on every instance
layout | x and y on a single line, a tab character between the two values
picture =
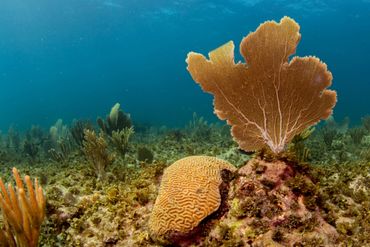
189	192
269	99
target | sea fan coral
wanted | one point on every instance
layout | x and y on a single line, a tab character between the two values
268	100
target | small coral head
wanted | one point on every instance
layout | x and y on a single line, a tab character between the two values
269	99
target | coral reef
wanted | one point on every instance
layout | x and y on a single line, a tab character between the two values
315	193
269	100
82	210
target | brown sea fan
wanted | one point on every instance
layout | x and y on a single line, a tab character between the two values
268	99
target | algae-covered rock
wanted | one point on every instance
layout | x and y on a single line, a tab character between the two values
274	204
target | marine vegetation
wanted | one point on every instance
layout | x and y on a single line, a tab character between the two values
77	131
82	210
120	139
117	121
144	154
96	152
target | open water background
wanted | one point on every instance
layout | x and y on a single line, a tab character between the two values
74	59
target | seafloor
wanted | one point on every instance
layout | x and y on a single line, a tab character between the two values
84	209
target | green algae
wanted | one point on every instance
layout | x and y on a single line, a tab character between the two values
300	185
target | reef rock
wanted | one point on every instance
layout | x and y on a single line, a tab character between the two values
274	203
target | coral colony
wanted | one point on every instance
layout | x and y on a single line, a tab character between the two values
111	185
269	100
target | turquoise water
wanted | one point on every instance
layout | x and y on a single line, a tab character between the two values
76	58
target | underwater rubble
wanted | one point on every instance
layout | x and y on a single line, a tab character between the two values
112	184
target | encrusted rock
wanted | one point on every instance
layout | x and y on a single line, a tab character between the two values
273	204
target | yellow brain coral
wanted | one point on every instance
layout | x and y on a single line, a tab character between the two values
268	100
189	192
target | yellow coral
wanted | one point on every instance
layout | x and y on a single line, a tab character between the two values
189	192
268	100
23	215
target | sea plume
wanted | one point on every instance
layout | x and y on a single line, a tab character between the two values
23	211
268	99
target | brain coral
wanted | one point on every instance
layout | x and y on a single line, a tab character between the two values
269	99
189	192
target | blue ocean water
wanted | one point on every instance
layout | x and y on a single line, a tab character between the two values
76	58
